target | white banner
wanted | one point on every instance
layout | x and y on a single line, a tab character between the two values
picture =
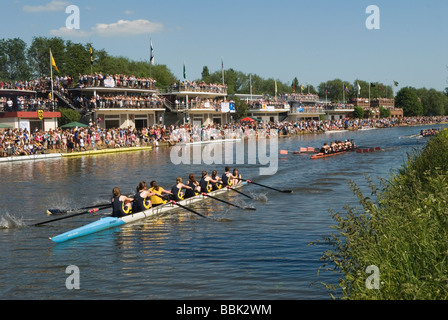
109	83
225	107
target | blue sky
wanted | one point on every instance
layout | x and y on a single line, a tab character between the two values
314	41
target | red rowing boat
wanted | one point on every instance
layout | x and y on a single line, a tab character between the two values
325	155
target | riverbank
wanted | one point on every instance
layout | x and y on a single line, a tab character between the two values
56	155
396	247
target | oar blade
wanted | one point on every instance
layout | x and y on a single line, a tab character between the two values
56	211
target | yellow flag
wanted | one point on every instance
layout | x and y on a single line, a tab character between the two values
53	63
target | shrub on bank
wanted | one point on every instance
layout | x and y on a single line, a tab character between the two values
402	231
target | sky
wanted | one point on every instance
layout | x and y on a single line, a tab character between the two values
314	41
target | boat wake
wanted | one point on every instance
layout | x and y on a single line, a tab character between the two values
8	221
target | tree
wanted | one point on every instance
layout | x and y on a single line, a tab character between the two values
358	113
434	102
385	113
205	74
67	116
408	100
13	62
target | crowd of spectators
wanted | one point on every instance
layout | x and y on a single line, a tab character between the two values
118	101
99	79
26	103
194	86
14	142
21	142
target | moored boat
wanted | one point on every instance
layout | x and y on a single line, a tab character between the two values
111	222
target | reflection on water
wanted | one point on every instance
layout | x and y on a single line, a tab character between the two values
262	254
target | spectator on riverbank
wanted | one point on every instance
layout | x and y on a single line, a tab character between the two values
21	142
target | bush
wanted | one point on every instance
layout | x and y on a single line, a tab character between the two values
403	232
67	116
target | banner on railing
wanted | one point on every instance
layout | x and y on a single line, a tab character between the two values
109	83
225	107
232	107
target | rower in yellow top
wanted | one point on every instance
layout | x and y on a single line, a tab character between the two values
121	205
176	190
142	198
157	194
206	182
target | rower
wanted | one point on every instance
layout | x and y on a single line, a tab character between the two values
176	190
216	185
121	205
325	148
206	182
237	177
195	188
141	198
227	178
157	194
334	146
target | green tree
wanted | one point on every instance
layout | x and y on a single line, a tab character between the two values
39	55
358	113
205	74
384	113
434	102
67	116
13	61
408	100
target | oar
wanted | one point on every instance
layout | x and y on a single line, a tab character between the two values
237	191
229	203
188	209
67	217
62	211
261	185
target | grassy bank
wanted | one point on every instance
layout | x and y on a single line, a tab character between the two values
401	229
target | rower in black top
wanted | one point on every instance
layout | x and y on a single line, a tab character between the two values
121	205
227	178
141	198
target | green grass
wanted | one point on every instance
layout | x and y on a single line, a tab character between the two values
401	229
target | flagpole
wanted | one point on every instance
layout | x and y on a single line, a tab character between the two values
51	78
222	70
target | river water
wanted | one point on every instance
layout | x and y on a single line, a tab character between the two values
262	254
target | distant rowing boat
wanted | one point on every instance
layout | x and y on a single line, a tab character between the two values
325	155
111	222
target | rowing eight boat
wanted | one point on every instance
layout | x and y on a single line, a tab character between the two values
324	155
111	222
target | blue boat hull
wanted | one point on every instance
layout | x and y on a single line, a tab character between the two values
102	224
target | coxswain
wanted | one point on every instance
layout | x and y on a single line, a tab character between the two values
121	205
157	194
194	185
206	182
176	190
141	198
227	178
